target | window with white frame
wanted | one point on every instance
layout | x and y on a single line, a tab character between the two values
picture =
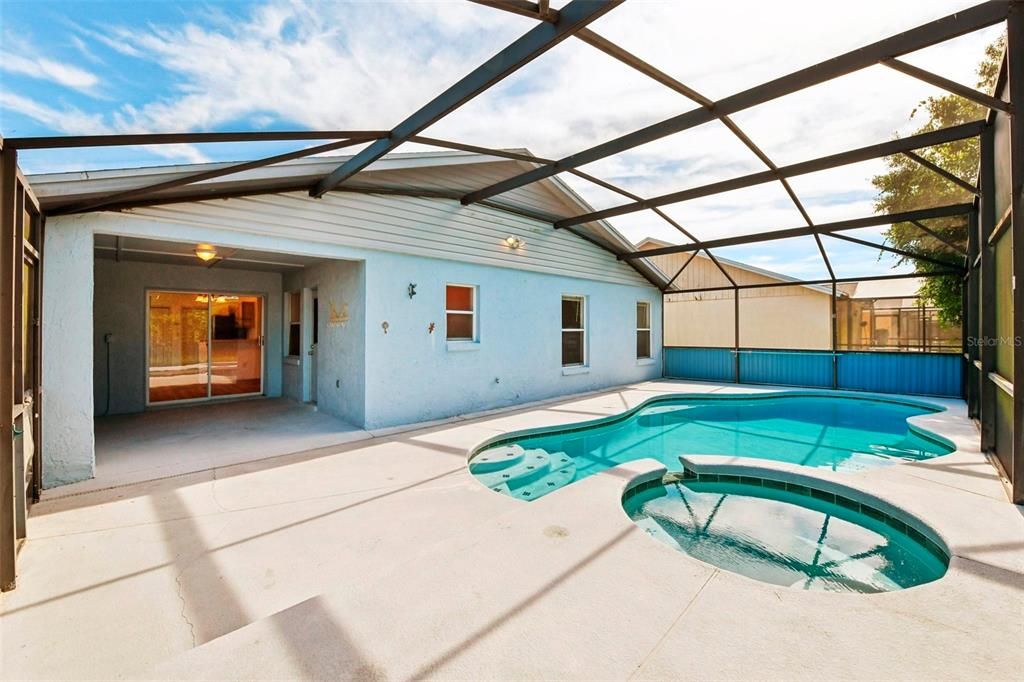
643	329
574	333
460	312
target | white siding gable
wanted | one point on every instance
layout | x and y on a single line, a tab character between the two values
436	228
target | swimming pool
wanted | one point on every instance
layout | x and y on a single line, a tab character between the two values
838	432
786	534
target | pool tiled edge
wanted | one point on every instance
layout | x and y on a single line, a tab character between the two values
513	436
847	499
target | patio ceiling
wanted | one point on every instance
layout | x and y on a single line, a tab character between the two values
183	253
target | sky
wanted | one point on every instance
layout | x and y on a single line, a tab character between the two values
111	66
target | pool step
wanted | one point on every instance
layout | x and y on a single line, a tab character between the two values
532	466
502	488
561	472
496	459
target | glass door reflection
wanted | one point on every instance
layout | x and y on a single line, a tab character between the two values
178	346
237	353
204	345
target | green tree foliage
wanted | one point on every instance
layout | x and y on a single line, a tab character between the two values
907	185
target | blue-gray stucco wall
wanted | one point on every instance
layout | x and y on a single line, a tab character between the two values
412	375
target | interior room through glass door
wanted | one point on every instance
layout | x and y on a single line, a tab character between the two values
204	345
179	336
237	345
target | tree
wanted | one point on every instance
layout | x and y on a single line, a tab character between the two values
907	185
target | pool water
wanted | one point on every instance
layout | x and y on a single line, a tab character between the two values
784	538
821	431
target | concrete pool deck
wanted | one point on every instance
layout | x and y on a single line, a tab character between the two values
385	559
171	441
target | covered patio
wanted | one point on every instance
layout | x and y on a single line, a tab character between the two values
146	446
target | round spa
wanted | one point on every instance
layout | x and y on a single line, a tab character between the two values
786	534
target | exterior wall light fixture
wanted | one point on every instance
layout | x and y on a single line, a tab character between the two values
514	242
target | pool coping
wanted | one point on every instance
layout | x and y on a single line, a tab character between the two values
932	408
916	428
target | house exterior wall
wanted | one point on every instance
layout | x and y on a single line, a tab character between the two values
120	309
341	347
406	375
415	375
790	319
68	446
775	317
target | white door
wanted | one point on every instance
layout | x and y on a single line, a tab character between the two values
313	348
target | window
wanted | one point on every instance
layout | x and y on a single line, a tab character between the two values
460	312
294	317
643	329
573	331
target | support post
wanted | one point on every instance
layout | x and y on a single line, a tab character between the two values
37	359
835	339
736	332
987	290
9	258
968	318
1015	87
664	350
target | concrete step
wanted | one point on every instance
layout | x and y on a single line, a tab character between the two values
502	488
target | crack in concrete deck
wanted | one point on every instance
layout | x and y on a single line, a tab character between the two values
675	622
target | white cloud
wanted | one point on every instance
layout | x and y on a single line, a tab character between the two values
66	120
84	49
72	121
368	65
49	69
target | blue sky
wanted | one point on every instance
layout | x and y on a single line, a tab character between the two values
111	66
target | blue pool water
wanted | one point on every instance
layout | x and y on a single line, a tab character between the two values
787	538
822	431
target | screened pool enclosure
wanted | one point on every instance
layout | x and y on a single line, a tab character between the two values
984	366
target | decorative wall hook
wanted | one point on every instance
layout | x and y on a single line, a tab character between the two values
430	328
412	289
384	325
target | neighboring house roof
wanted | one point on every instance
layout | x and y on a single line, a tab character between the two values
444	174
888	288
651	243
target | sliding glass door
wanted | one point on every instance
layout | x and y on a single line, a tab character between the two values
179	338
236	357
203	345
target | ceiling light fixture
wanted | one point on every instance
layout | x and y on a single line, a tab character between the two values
206	252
